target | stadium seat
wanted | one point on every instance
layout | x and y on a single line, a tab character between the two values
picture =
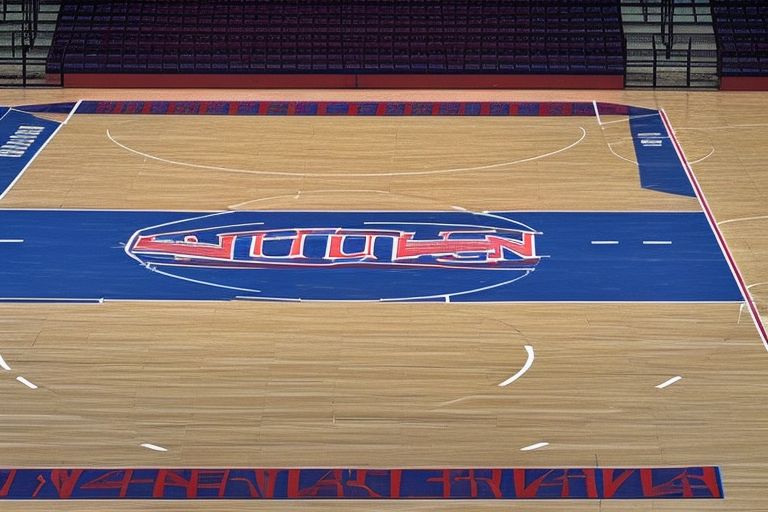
407	36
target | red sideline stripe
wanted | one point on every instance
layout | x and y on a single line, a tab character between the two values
716	230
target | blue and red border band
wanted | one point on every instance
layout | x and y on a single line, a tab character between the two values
361	484
339	108
342	108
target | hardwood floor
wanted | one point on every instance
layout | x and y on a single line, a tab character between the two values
400	385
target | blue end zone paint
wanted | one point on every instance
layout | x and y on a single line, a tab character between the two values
660	168
50	108
21	137
82	255
362	484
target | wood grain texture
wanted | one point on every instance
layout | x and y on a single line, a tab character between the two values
401	385
199	162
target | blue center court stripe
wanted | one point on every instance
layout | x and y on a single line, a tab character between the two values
450	256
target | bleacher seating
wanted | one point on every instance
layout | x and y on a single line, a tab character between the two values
741	28
339	36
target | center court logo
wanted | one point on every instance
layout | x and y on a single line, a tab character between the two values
341	256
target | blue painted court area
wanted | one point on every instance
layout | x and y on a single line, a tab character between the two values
22	135
659	166
440	256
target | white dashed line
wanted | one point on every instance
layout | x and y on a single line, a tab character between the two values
669	382
645	242
11	241
154	447
526	366
4	365
26	382
533	447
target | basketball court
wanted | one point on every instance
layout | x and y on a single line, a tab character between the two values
390	281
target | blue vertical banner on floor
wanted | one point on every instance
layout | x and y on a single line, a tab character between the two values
22	135
660	168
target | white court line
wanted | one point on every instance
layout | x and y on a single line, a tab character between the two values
219	212
129	244
457	400
26	382
154	447
488	213
622	140
742	219
213	228
669	382
153	268
746	295
72	112
298	194
62	300
407	300
597	113
277	299
723	127
4	365
447	296
534	446
518	224
657	242
524	369
628	119
703	158
165	301
11	241
610	148
350	175
604	242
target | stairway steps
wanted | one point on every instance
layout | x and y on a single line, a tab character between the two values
692	24
11	74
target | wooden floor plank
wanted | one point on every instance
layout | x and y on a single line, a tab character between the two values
400	385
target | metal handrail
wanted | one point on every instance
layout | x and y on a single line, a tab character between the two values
30	18
715	28
668	25
655	63
658	65
18	37
24	39
688	63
